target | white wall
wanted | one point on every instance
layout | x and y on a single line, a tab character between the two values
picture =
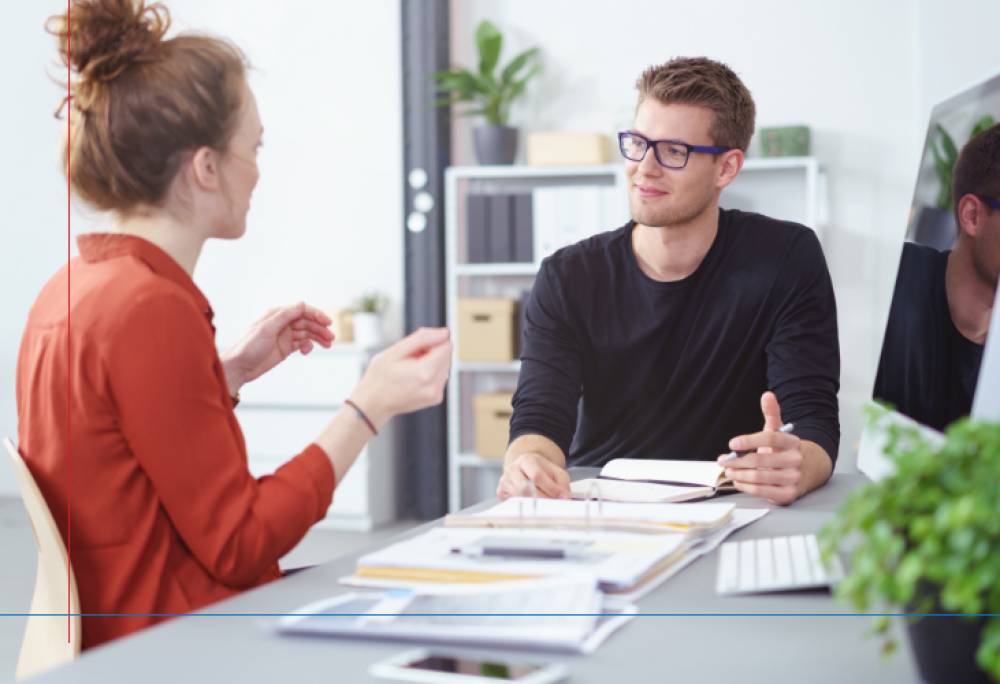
958	46
326	218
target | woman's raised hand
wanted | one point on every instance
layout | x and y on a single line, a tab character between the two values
277	334
408	376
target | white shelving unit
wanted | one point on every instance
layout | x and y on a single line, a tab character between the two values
491	279
803	190
800	197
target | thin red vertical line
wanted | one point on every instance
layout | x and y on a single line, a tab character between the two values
69	343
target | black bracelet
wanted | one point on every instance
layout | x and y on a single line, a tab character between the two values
362	416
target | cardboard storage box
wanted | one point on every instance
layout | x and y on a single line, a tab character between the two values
487	329
493	412
564	149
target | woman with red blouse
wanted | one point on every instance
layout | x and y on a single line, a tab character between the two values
123	401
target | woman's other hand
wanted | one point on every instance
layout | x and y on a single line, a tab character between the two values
277	334
408	376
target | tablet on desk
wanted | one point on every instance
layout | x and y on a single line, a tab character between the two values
423	665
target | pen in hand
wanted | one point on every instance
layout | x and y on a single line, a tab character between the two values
733	455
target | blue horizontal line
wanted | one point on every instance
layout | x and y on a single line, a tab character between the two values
498	614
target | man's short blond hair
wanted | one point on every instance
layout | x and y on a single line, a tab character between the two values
705	83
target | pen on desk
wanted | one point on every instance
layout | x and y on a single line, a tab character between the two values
519	553
733	455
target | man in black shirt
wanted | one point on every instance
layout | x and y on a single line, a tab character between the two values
943	301
688	326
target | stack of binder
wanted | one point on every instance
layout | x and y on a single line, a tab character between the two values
628	548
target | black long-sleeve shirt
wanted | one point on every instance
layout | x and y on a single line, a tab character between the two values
928	370
675	369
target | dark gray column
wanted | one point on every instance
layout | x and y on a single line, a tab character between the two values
427	148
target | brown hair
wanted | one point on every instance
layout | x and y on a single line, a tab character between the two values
977	170
145	104
706	83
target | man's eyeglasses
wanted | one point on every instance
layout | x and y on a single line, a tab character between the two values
992	202
672	154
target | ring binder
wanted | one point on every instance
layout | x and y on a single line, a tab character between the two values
594	487
593	494
530	486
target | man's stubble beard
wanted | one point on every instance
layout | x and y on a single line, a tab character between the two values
670	216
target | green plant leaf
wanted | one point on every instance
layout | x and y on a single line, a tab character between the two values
510	71
491	96
984	122
947	144
488	41
488	85
517	87
461	82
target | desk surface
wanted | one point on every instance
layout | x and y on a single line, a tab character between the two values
712	648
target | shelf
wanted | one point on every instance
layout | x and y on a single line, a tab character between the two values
477	461
487	172
489	366
778	163
477	172
516	269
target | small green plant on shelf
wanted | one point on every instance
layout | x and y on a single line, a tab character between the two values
372	302
927	538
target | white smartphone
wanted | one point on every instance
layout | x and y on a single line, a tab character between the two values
423	665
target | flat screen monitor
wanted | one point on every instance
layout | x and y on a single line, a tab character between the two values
938	361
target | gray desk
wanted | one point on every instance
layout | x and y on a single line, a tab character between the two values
650	648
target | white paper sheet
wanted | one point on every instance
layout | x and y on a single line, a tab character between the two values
502	614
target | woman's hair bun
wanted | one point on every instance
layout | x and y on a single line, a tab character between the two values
100	39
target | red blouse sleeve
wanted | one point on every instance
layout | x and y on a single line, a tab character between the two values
167	386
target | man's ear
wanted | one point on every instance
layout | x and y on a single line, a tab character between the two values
205	169
732	162
970	213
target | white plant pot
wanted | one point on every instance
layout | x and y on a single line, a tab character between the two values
367	329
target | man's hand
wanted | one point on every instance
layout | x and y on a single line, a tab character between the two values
775	470
551	481
277	334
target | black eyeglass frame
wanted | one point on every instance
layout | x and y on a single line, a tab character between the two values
655	146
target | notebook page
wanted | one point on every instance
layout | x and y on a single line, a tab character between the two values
704	473
636	492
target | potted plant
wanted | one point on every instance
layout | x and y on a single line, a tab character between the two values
367	319
491	95
926	540
936	225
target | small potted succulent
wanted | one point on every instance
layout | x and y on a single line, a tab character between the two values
926	541
491	94
367	319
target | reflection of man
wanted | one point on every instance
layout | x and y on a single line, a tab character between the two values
672	327
943	301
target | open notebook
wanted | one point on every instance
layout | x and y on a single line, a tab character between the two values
641	480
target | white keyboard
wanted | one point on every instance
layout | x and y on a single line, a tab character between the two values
775	564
